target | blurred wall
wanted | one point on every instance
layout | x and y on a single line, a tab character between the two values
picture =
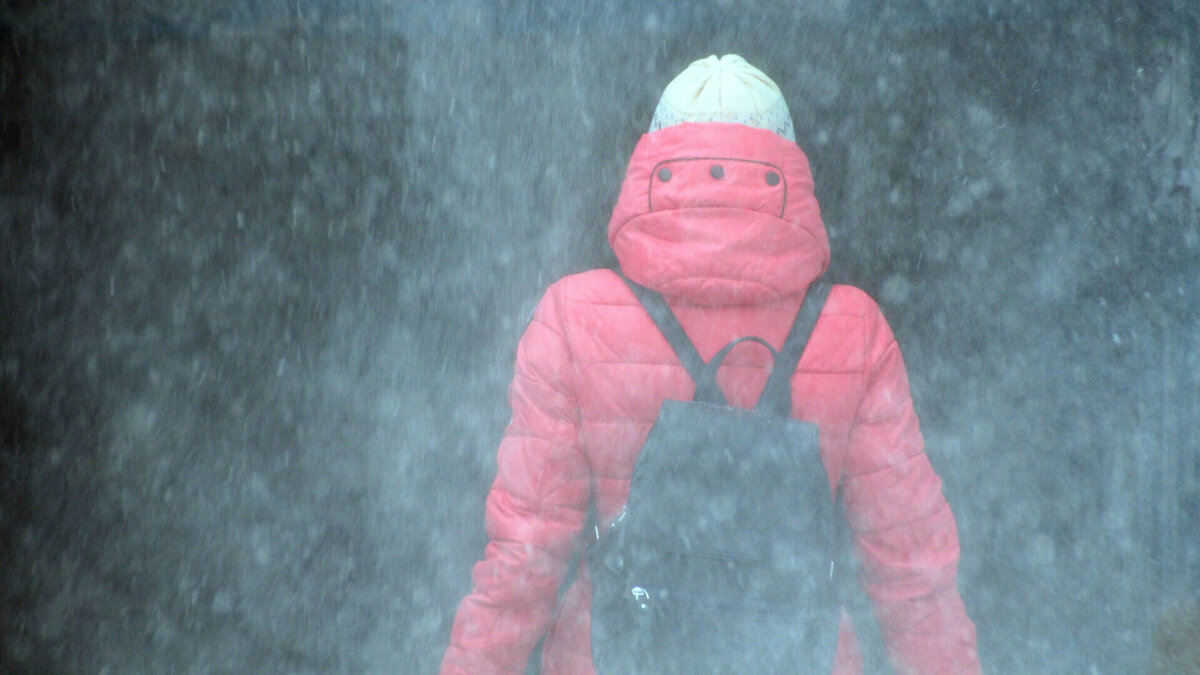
265	266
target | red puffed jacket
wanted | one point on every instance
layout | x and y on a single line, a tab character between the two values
722	221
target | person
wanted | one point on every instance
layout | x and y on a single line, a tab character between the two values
717	214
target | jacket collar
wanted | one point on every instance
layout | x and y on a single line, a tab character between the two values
719	214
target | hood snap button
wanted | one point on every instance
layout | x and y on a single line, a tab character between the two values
772	178
717	172
664	174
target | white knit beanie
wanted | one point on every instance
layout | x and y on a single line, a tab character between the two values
725	89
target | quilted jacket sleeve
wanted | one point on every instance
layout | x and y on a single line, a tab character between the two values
903	527
535	510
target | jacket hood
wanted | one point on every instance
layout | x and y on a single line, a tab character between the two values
719	214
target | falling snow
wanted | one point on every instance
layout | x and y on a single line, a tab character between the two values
264	267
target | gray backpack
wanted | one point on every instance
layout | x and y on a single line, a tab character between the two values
726	556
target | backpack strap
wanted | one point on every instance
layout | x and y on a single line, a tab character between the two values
776	397
670	328
777	393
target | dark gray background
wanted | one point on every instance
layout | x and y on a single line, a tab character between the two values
264	266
